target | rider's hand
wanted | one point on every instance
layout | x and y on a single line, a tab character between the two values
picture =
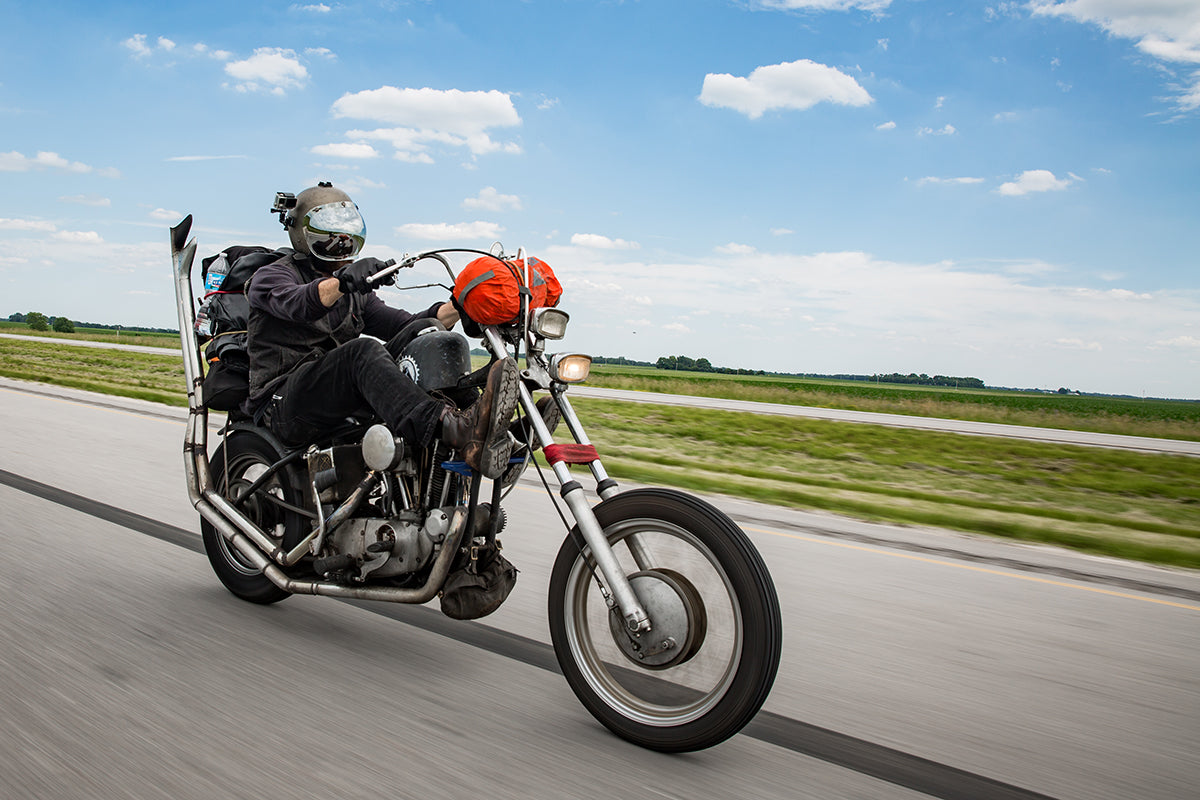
354	278
470	327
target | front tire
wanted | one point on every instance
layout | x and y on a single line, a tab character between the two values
241	460
707	666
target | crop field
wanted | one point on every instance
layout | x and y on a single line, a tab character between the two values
1126	504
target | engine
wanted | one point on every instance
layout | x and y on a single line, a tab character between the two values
385	548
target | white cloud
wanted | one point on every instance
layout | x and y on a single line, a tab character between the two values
886	126
16	162
345	150
320	52
79	237
86	200
428	117
489	199
26	225
1034	180
781	231
1079	344
597	242
676	327
166	215
451	111
1023	329
825	5
1168	30
271	69
953	181
796	85
137	45
202	158
446	232
316	8
1188	342
735	249
945	130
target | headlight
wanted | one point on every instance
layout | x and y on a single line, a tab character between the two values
570	367
550	323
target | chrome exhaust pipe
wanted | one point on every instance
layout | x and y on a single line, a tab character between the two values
387	594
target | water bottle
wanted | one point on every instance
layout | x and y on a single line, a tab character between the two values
216	274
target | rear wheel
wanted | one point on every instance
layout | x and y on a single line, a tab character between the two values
240	461
708	663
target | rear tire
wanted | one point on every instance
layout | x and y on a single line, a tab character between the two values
241	459
712	596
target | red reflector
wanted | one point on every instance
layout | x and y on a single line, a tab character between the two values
571	453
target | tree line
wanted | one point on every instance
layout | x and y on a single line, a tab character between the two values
38	321
704	365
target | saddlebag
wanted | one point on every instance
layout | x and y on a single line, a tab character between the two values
478	588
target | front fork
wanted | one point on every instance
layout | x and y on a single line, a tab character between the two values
572	492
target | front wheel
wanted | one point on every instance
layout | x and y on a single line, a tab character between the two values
708	663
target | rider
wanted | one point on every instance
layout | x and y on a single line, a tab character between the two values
309	367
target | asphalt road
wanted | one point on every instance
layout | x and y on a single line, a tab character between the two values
916	663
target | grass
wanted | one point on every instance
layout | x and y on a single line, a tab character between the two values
1127	504
117	372
143	338
1170	419
1119	503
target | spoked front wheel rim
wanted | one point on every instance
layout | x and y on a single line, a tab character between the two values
681	693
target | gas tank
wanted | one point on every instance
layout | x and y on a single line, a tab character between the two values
436	359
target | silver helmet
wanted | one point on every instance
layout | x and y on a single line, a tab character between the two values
325	224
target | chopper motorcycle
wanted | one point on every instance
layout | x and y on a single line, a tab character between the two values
662	614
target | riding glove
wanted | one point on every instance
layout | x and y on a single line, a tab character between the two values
354	278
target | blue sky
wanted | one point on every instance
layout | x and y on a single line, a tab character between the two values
1005	190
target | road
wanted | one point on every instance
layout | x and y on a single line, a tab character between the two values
916	663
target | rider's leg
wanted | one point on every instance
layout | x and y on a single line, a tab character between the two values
361	375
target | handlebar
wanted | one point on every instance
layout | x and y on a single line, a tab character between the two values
391	266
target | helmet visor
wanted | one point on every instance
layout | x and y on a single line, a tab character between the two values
335	231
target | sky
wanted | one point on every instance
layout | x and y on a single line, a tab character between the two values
1001	190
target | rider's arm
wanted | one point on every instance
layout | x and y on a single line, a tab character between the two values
447	314
275	290
383	321
329	291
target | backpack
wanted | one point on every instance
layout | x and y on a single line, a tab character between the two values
489	290
222	321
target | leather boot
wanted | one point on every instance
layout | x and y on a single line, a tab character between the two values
480	433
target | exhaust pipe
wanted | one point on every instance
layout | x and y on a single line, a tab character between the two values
387	594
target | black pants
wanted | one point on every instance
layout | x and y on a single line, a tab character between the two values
356	378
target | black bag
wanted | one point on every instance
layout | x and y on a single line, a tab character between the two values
222	321
478	588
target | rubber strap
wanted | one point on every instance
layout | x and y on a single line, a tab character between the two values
571	453
482	278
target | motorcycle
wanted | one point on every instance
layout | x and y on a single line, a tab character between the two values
662	614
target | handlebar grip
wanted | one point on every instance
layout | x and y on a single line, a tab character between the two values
389	268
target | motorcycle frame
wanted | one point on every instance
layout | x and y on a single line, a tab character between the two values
257	547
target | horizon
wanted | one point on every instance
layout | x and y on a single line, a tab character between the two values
608	360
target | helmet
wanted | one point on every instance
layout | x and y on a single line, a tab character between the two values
325	224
